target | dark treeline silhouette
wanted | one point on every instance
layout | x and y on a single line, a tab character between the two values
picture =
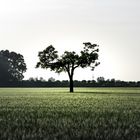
12	67
100	82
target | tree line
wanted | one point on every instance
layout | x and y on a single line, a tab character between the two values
13	66
35	82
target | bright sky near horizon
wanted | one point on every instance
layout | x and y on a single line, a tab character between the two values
29	26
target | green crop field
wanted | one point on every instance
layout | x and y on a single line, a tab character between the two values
56	114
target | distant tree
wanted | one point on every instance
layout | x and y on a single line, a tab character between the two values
42	79
12	66
138	83
65	83
36	79
51	79
113	82
31	79
69	61
101	81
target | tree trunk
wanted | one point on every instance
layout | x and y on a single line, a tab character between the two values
71	84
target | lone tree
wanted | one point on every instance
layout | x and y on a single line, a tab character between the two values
69	61
12	66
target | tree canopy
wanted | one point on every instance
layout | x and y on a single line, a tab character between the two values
12	66
69	61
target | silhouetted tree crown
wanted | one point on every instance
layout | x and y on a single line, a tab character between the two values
12	66
69	61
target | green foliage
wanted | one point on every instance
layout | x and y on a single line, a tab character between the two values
12	66
69	61
48	58
48	114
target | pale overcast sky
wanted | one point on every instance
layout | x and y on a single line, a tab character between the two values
28	26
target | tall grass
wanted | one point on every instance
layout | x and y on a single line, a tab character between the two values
56	114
